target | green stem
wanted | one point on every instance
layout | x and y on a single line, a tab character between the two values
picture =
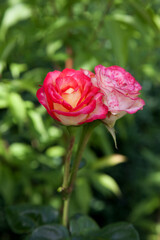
67	163
86	132
65	181
68	183
65	212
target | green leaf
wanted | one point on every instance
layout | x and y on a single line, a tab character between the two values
15	14
54	132
25	218
118	40
3	96
5	51
50	232
82	225
7	186
104	182
117	231
21	152
3	149
102	142
59	56
144	208
2	66
17	69
56	151
38	123
89	64
109	161
83	194
17	107
141	11
53	47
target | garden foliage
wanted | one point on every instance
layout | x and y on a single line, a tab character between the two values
122	186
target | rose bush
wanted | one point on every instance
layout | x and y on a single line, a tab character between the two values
120	91
71	98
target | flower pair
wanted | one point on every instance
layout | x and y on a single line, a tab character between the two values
74	97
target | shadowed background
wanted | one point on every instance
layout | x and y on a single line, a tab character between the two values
39	36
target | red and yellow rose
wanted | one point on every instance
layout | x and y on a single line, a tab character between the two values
71	98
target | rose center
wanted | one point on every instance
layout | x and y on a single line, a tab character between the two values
69	90
71	96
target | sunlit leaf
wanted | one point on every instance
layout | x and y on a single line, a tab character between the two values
53	47
14	14
3	96
17	107
105	183
153	179
59	57
38	123
54	132
56	151
17	68
21	151
109	161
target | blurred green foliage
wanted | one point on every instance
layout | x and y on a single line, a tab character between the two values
34	38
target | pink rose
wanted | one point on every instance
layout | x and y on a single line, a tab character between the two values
71	98
120	91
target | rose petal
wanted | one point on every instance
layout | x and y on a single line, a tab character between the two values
50	78
68	72
87	73
64	83
138	105
56	98
74	121
99	112
43	100
42	97
117	78
81	79
72	98
86	110
117	102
